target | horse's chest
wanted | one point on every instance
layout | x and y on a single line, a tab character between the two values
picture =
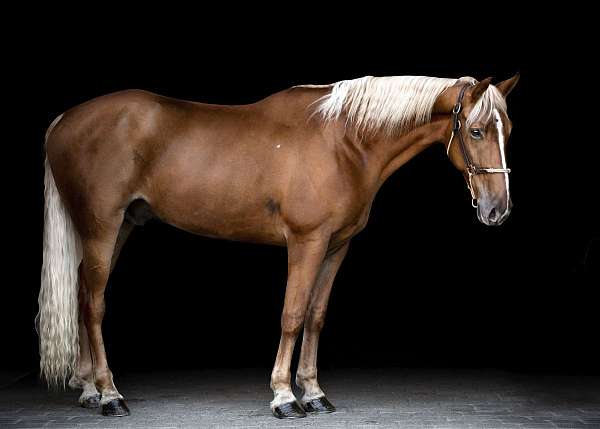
352	226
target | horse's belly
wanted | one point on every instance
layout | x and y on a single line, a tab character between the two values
222	215
233	229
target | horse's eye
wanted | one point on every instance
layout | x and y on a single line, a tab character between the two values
476	133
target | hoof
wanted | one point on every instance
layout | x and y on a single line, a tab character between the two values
115	408
91	401
319	405
291	410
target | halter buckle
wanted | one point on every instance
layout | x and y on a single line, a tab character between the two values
457	108
456	126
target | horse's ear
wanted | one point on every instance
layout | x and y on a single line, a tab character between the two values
480	88
506	86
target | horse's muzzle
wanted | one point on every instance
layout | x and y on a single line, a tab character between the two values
493	214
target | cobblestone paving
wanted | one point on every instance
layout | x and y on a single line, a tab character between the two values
364	398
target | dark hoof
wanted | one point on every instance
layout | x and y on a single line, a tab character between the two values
115	408
91	401
319	405
291	410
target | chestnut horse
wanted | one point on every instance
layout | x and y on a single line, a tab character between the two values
299	168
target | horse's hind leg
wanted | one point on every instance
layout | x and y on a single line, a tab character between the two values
84	375
313	399
124	232
98	249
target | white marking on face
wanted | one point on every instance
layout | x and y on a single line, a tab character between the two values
500	129
278	146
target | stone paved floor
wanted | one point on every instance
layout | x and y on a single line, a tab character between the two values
365	398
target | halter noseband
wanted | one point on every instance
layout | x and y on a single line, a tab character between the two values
472	169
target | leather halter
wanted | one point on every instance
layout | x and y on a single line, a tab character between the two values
471	168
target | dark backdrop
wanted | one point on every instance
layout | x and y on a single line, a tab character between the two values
423	285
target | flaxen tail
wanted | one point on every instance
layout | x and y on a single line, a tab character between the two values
57	319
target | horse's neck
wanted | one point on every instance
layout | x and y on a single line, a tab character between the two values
391	154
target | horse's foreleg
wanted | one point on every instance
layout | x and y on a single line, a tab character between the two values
313	399
305	255
95	269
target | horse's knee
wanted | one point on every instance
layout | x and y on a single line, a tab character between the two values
315	320
291	322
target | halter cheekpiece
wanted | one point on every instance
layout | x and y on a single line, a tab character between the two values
472	169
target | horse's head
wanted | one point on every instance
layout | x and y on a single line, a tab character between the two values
477	144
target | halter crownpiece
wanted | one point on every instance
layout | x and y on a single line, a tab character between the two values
472	169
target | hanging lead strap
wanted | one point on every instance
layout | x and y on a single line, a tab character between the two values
470	186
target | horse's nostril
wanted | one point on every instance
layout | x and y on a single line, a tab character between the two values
493	216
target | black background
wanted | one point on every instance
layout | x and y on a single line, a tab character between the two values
423	285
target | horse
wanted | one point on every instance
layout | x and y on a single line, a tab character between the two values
299	168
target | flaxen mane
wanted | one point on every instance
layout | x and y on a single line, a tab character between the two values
397	104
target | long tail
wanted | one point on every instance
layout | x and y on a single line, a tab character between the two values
57	319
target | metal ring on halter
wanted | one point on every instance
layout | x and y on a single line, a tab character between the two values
454	130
